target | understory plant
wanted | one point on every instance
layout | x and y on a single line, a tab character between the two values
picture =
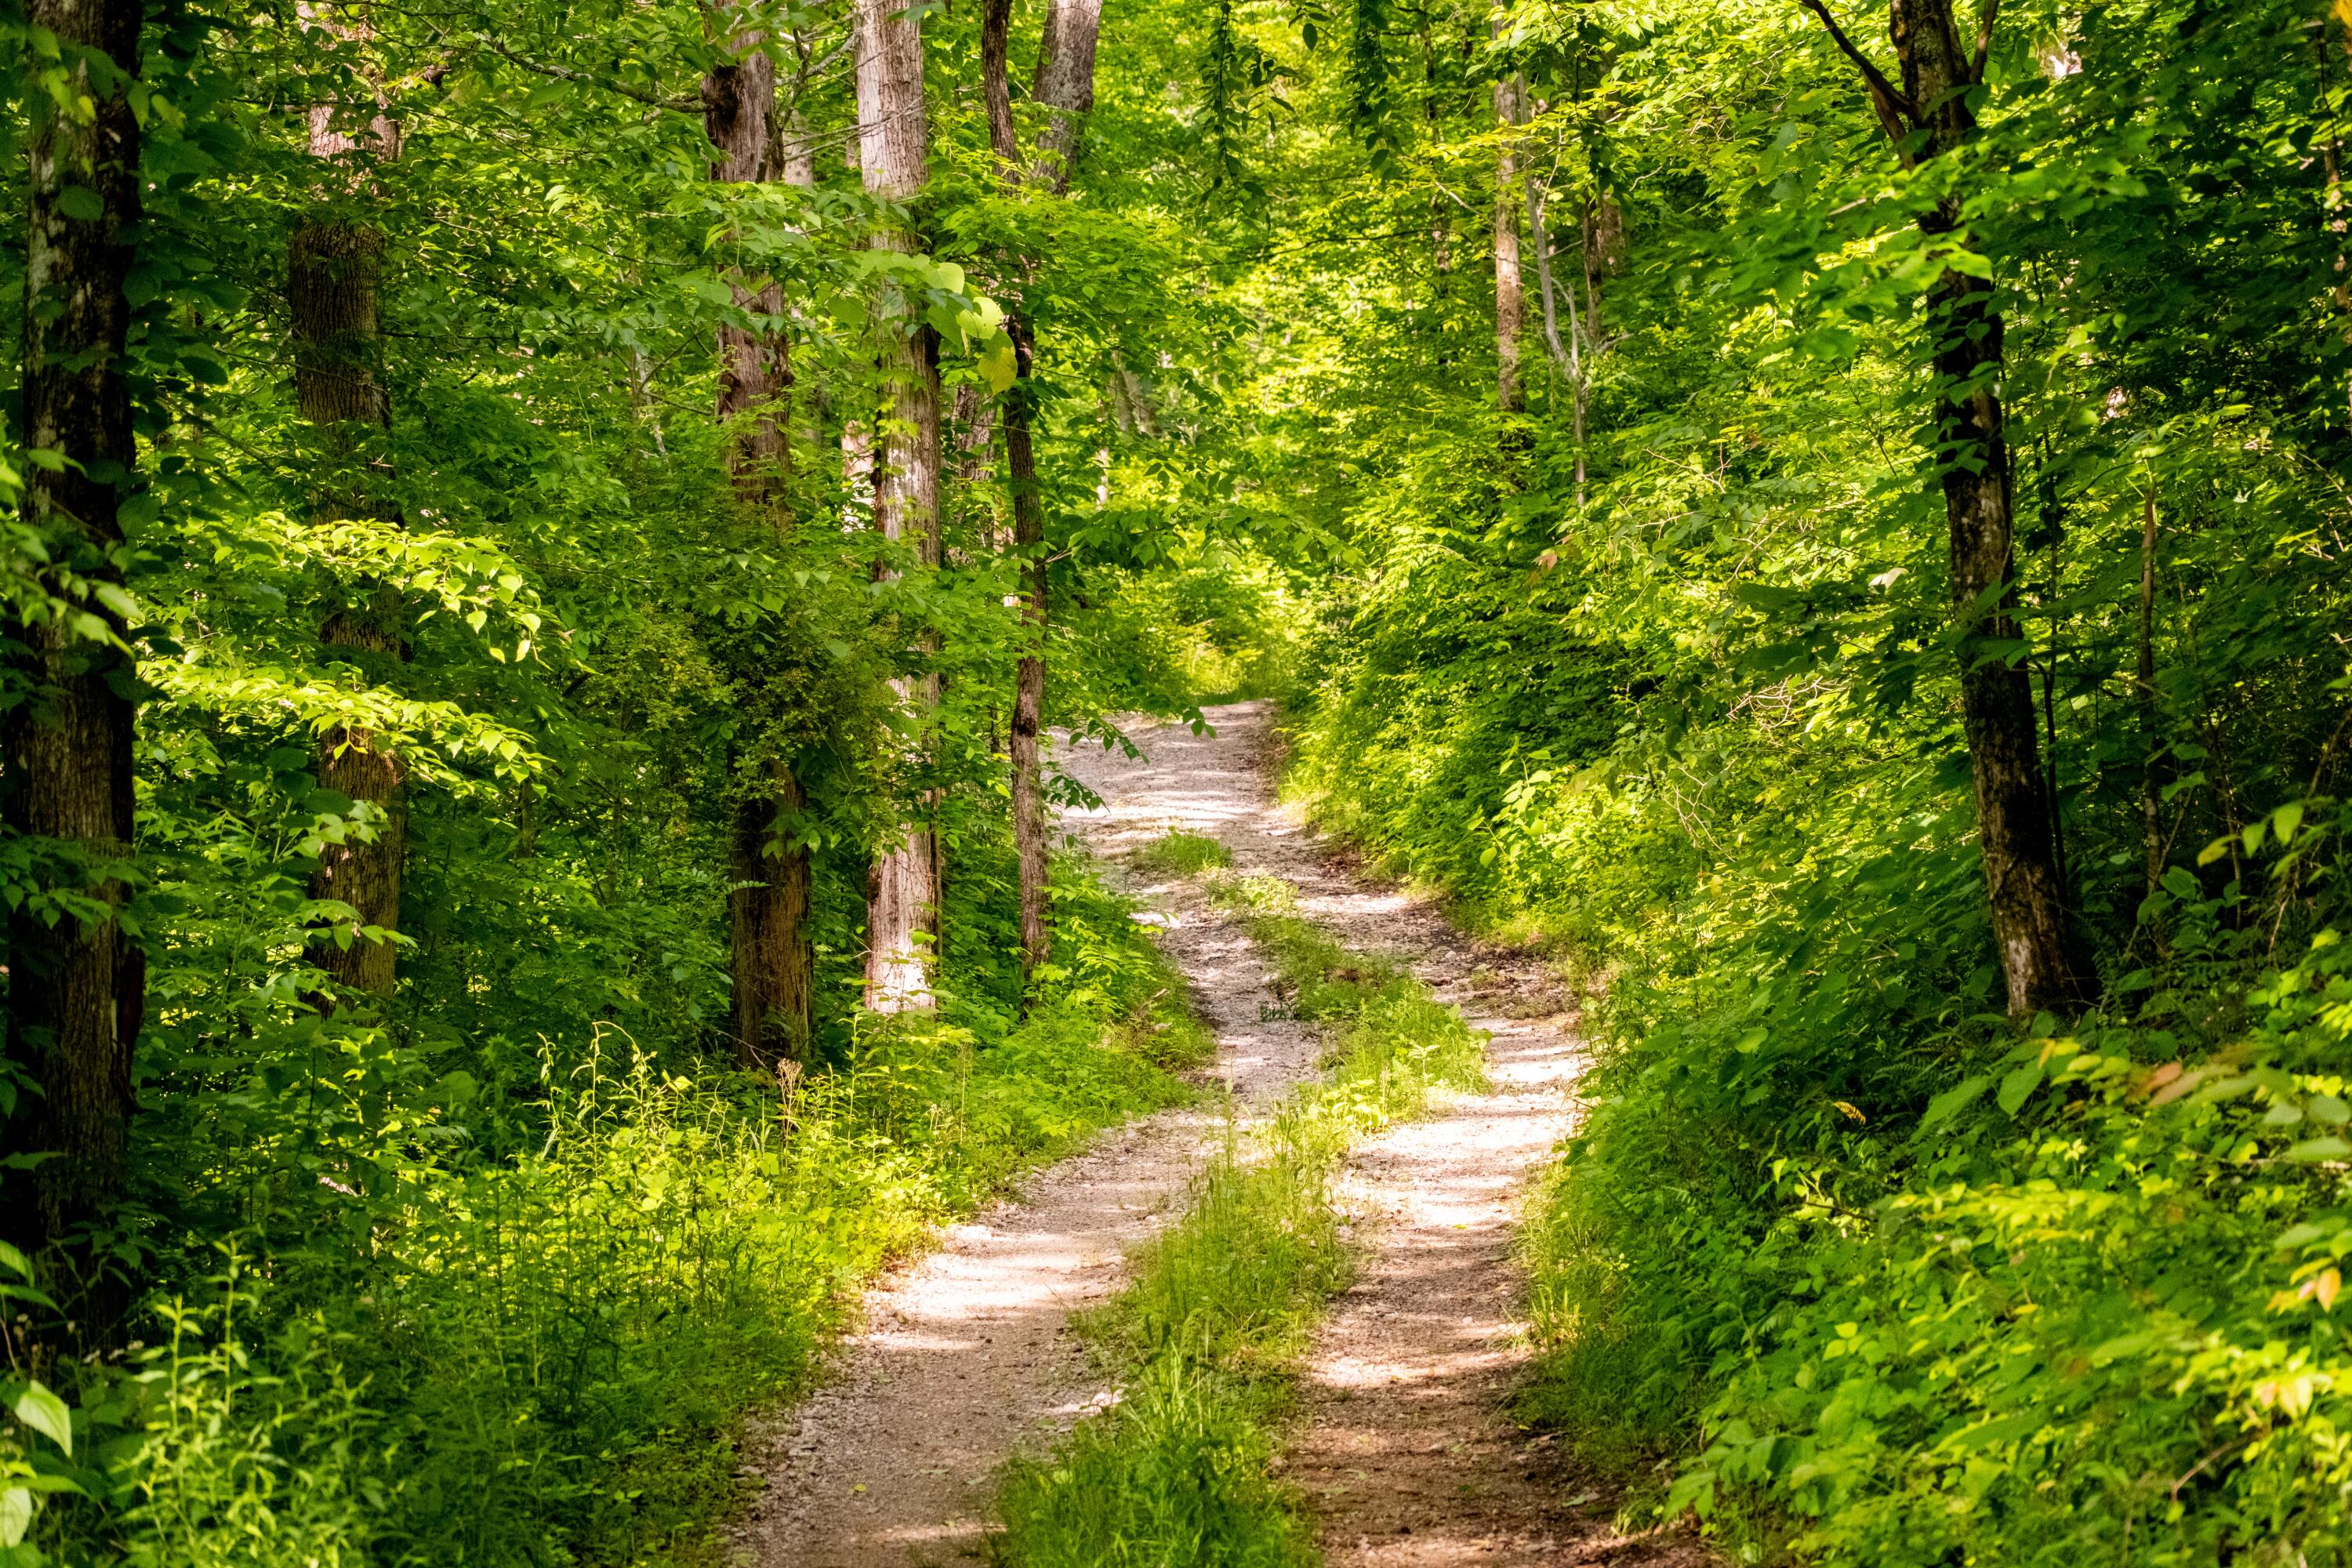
546	1356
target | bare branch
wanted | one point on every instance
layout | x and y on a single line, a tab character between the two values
1893	108
565	73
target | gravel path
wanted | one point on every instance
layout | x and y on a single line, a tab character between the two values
966	1355
1403	1447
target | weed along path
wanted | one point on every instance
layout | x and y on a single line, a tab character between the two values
1401	1447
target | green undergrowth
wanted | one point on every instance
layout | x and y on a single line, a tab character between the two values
544	1358
1841	1261
1177	1473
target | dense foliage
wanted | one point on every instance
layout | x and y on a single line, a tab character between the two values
482	1263
1713	478
1881	1275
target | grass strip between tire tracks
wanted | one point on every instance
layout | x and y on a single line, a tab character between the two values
1207	1338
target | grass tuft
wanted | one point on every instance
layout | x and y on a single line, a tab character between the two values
1176	852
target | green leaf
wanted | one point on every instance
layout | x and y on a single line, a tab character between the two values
999	368
2019	1084
1955	1100
16	1515
2313	1151
80	202
2008	1429
2286	820
45	1413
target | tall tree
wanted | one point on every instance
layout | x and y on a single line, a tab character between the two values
768	907
902	900
1065	85
2043	958
1511	301
76	983
335	296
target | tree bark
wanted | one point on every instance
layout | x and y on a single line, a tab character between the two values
334	291
77	989
1064	85
754	374
773	967
903	886
1029	825
2042	956
1510	302
2151	785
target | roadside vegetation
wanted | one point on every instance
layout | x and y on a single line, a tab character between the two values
531	1336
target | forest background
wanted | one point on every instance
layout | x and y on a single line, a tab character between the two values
547	539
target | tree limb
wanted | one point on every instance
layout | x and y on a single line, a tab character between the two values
1893	108
1984	41
565	73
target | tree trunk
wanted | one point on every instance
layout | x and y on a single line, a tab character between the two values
1064	85
2043	955
1029	825
2151	784
773	967
334	288
903	887
1510	305
754	374
77	989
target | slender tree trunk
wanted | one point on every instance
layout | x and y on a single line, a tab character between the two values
77	988
1510	306
773	967
1568	357
1029	825
334	288
902	900
2043	955
1065	85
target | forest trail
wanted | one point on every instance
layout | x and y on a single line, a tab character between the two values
1404	1450
965	1356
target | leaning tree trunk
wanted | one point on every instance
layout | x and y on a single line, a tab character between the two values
77	987
902	898
334	288
2043	959
768	910
1511	301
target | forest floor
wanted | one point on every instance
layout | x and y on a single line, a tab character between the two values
1403	1447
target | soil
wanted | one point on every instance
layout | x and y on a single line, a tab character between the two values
1403	1447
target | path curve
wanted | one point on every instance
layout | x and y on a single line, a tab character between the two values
1402	1447
965	1356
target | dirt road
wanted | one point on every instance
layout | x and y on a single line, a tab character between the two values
1402	1448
